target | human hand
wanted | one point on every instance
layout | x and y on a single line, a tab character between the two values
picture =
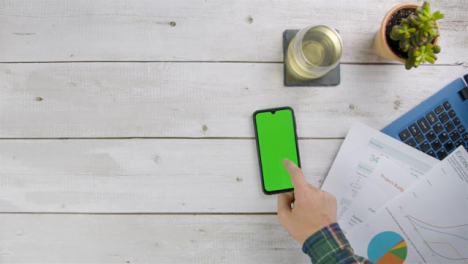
312	208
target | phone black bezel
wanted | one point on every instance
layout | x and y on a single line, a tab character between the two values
258	146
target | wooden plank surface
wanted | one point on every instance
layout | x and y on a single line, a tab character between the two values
111	71
125	239
199	100
199	30
145	175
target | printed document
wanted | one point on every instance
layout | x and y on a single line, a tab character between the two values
361	151
428	223
386	182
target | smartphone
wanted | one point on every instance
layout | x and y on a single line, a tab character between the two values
275	134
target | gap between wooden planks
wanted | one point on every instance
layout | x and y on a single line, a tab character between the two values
146	239
138	176
127	100
145	30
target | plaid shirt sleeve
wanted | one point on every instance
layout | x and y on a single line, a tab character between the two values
329	245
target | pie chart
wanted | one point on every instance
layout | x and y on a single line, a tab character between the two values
387	248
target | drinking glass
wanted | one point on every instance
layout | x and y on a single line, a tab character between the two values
313	52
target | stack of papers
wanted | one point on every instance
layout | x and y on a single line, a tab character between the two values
397	204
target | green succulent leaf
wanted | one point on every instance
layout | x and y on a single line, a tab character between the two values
405	45
427	14
430	60
416	34
423	18
414	20
416	63
426	7
409	63
436	48
422	54
438	15
405	31
394	34
419	11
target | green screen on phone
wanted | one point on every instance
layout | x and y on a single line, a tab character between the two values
276	139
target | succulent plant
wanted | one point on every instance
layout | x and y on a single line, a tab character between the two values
416	34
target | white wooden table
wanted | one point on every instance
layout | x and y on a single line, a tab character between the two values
126	132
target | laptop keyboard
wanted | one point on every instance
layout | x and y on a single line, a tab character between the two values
437	133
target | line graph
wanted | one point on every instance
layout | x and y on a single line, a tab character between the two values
445	249
441	227
415	221
429	220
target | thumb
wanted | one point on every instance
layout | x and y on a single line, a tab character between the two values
297	177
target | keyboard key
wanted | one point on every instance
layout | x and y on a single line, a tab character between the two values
414	129
438	109
454	135
411	142
431	117
404	135
449	126
442	154
438	128
452	113
425	146
456	121
431	153
422	122
443	137
449	146
447	105
431	136
444	118
460	143
420	138
465	136
461	129
436	145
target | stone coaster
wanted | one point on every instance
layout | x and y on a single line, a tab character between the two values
330	79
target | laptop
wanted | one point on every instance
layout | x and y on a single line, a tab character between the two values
439	124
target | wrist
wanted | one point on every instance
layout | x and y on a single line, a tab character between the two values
320	233
328	245
304	235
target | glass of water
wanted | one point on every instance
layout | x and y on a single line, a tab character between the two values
313	52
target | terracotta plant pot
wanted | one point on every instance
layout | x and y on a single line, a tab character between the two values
380	41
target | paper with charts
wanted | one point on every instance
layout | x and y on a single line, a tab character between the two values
387	181
358	157
428	223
